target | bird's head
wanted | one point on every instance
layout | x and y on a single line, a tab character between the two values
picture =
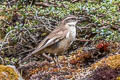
70	21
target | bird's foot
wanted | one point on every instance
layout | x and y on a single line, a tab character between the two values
47	57
56	61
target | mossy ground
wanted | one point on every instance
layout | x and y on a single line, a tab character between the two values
23	26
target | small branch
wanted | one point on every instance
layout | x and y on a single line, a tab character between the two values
83	40
6	37
2	60
43	4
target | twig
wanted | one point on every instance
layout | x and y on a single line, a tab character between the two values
6	37
83	40
6	48
32	37
43	4
2	60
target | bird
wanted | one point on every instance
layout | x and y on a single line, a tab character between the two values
59	40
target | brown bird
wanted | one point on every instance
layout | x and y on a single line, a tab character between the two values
59	40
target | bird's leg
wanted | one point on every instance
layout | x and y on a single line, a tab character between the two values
56	61
47	57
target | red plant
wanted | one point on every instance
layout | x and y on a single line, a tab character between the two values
103	46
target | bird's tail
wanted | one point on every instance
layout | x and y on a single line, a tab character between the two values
29	55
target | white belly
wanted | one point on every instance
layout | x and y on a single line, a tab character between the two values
71	35
72	32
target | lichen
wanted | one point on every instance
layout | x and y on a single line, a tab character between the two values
8	73
118	78
111	61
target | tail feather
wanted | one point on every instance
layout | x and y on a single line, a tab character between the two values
29	55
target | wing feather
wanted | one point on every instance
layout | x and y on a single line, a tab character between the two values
53	38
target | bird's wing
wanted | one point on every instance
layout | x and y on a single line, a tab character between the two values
54	37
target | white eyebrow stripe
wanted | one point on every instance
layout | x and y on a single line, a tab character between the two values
71	23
